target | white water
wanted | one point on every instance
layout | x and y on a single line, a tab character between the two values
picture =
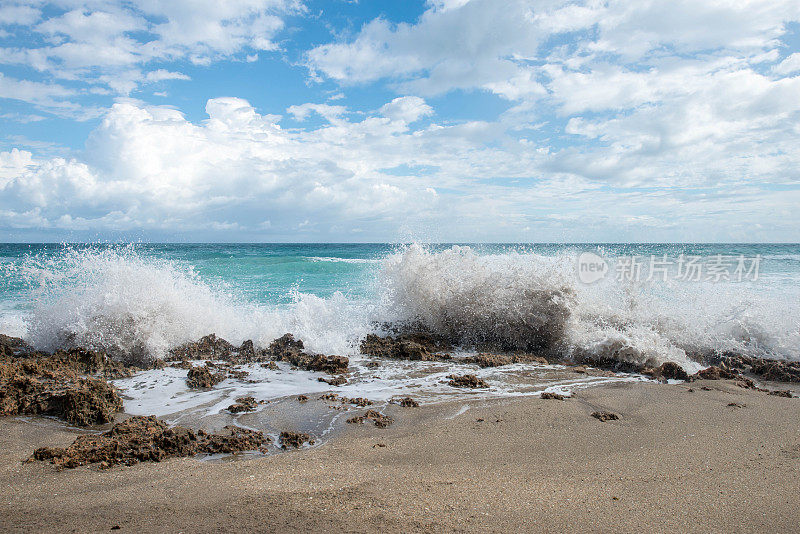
117	300
164	392
496	297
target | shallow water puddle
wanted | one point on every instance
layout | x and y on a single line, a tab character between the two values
164	392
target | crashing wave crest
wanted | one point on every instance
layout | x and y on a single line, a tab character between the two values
136	306
531	302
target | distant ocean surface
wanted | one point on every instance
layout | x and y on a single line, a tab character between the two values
151	297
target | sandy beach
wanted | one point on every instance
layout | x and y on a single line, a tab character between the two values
413	266
676	460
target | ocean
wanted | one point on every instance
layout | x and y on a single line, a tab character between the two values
633	302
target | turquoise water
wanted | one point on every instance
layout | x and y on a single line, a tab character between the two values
269	273
162	294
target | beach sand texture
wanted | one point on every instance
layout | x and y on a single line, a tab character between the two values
676	460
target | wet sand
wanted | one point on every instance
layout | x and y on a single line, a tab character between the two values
675	461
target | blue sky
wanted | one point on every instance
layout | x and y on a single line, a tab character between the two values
446	120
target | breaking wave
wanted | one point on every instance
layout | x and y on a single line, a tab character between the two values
530	302
138	307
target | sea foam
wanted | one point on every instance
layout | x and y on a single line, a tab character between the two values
139	306
528	301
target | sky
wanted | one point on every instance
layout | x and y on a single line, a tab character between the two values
375	121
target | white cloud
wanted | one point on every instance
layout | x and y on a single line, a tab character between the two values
303	111
453	46
789	65
18	14
148	168
480	44
28	91
406	108
13	164
680	117
91	42
651	94
162	74
50	97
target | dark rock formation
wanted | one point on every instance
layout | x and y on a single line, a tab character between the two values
467	381
235	440
202	377
553	396
13	346
617	361
335	381
294	439
714	373
774	370
60	385
491	360
211	347
418	347
667	370
146	439
208	347
285	344
408	402
380	420
243	404
288	349
357	401
605	416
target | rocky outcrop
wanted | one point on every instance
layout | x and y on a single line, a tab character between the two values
235	440
408	402
294	439
243	404
417	347
68	384
202	377
13	346
335	381
617	363
146	439
285	344
357	401
380	420
667	371
491	360
467	381
291	350
603	416
714	373
766	369
211	347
